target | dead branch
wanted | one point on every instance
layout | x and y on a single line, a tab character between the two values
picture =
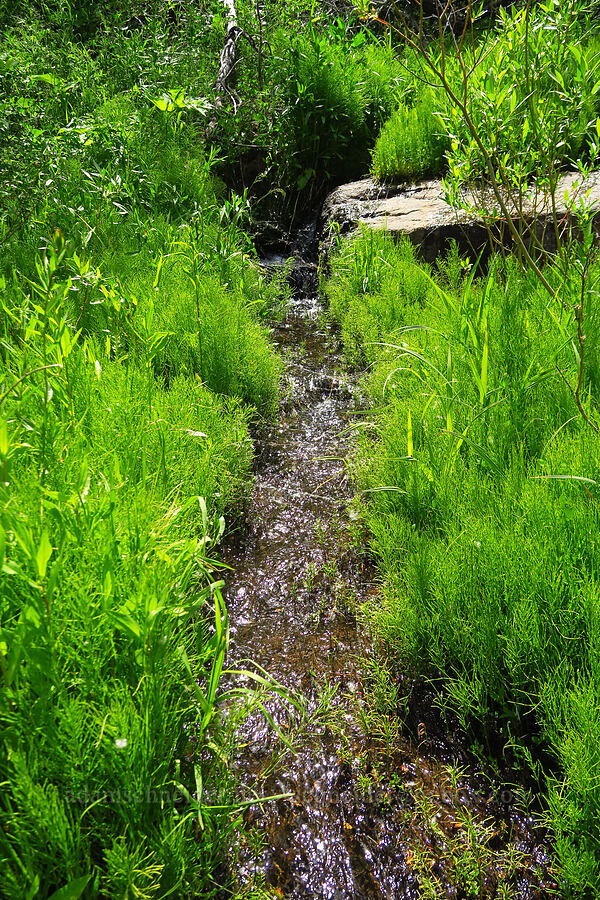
227	62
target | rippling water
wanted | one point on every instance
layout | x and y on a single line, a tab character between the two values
352	827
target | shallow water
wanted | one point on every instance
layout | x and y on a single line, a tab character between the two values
368	814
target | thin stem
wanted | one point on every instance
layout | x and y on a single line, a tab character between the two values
26	375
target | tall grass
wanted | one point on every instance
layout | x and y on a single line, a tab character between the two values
412	143
106	594
133	357
480	481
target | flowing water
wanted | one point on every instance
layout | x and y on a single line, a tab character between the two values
370	814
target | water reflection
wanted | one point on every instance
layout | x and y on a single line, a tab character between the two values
354	827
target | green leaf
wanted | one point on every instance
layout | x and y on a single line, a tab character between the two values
71	891
576	51
159	266
163	103
54	80
30	615
199	788
124	622
107	581
484	367
304	178
23	536
43	554
34	888
204	512
564	478
4	438
53	578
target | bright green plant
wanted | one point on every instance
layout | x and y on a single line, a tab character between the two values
327	89
411	144
466	849
493	94
113	450
532	96
479	472
102	785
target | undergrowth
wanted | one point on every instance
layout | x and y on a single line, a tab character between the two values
479	477
134	356
106	590
411	144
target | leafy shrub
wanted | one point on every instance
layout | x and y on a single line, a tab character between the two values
327	95
522	94
531	96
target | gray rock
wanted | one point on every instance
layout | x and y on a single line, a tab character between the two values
420	212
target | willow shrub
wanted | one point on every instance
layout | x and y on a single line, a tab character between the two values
530	88
480	480
532	95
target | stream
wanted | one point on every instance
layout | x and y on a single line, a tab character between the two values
370	813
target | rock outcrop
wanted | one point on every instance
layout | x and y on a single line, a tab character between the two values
420	212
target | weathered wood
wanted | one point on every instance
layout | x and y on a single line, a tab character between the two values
227	63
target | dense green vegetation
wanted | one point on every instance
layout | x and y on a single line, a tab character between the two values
480	478
525	93
480	465
411	144
135	362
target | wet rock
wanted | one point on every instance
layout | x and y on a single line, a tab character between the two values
421	212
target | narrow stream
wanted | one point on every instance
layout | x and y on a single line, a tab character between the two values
364	801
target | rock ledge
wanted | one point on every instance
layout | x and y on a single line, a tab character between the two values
420	212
